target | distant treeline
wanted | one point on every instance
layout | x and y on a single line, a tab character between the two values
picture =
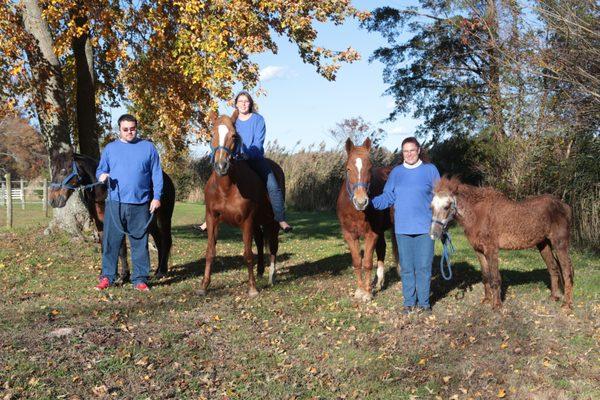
519	167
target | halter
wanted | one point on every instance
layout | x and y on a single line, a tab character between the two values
217	148
74	174
351	188
444	222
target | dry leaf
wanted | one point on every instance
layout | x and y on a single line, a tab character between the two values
501	393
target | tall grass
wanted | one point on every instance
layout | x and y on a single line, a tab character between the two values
519	167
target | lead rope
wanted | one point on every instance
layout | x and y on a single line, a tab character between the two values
120	228
447	250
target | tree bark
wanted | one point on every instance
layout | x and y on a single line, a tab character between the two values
50	101
495	97
85	92
51	107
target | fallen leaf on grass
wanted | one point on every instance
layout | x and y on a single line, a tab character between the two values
142	361
100	390
446	379
501	393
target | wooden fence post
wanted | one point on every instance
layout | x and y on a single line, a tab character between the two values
9	213
22	194
45	197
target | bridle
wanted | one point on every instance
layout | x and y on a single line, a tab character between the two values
351	188
74	174
227	150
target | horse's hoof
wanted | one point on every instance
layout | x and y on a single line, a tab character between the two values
554	297
159	275
252	293
201	292
358	293
486	300
497	307
367	297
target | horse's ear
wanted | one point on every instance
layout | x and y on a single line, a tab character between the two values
212	116
367	143
234	116
349	145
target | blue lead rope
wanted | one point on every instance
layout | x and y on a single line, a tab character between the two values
447	250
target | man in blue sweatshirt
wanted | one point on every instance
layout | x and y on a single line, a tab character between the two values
131	166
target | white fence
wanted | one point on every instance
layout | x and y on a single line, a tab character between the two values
22	192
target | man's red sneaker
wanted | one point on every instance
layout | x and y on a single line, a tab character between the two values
142	287
103	283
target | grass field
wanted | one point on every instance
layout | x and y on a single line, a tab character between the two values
304	338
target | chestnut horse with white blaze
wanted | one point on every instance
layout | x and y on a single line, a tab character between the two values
236	195
358	220
492	221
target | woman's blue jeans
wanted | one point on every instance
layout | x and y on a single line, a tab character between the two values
416	258
263	169
129	218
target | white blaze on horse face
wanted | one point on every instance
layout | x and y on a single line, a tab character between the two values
440	202
223	131
358	164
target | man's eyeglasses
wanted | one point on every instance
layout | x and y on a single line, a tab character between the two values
132	129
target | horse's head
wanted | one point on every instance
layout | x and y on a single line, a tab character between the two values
65	176
443	206
223	141
358	173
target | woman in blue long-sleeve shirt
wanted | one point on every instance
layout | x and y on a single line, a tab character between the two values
250	126
410	189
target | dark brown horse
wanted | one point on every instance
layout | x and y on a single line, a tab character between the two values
491	222
71	171
236	195
358	220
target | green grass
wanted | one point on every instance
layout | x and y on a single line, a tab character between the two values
306	337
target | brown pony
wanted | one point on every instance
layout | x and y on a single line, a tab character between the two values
358	220
236	195
491	221
71	171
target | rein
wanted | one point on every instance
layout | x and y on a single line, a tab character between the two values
351	188
120	227
74	174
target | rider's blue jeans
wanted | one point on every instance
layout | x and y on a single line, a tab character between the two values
416	258
129	218
263	169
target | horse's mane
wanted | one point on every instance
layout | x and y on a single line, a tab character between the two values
455	186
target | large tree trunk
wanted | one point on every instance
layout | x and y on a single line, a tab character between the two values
86	93
50	102
51	107
74	218
496	119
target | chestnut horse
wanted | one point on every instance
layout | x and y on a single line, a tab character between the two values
491	222
358	220
71	171
236	195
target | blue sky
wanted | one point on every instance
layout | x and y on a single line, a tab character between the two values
302	106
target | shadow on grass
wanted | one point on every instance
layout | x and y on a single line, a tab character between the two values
195	269
307	225
465	275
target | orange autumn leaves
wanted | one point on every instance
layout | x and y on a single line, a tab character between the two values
174	59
